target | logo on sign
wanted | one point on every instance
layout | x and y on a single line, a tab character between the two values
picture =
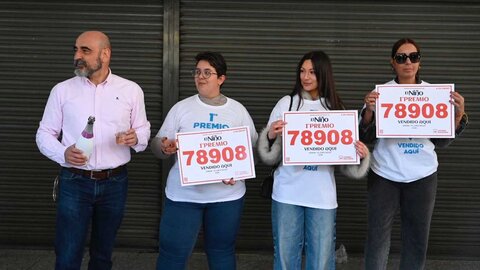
212	138
319	119
414	93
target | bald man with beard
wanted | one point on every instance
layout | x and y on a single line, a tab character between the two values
92	190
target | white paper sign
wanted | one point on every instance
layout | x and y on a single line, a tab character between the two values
320	138
415	111
212	156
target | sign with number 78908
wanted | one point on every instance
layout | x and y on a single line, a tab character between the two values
320	138
414	111
212	156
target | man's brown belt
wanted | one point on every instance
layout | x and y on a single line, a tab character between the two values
98	175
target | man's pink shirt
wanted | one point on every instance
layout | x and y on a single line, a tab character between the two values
117	104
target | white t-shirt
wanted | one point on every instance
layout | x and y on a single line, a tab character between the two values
404	160
310	185
191	114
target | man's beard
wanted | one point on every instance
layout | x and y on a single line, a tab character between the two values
86	71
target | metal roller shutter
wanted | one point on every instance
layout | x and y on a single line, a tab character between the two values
36	40
262	42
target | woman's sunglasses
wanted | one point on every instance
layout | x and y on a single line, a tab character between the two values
401	58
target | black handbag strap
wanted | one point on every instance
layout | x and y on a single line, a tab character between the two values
291	102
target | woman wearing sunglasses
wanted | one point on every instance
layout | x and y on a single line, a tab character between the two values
399	180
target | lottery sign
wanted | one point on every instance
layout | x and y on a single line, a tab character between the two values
212	156
414	111
320	138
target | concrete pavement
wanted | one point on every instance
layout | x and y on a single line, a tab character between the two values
19	259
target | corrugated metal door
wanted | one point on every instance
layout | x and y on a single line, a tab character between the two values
36	41
262	43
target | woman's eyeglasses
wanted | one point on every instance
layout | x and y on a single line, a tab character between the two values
401	58
206	73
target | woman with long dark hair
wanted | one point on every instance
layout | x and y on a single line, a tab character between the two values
304	197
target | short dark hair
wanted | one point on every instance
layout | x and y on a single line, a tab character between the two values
215	59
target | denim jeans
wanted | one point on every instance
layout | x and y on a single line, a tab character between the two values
296	227
180	225
81	202
416	201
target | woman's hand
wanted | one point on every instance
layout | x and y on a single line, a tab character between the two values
275	129
362	149
459	102
370	100
168	147
230	181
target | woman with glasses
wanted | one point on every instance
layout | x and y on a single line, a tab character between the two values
218	207
400	179
304	198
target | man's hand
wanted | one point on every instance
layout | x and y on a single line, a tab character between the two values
75	156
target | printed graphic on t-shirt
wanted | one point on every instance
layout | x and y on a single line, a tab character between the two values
211	124
310	168
410	148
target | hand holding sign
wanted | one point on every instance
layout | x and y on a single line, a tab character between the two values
168	146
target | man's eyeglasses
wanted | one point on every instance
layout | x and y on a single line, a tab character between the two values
401	58
206	73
